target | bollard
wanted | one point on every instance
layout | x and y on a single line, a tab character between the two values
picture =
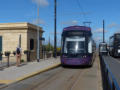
8	62
1	55
44	55
7	53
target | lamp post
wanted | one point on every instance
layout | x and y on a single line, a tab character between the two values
55	37
38	35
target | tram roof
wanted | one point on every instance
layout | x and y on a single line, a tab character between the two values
81	28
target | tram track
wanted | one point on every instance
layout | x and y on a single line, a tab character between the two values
77	79
48	79
63	80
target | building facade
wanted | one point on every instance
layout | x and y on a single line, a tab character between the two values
24	34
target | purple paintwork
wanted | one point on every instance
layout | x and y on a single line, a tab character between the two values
77	28
76	61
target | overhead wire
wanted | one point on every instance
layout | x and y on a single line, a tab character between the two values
84	14
78	2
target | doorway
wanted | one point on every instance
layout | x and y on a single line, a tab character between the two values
0	47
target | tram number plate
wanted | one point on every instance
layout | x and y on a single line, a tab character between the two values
119	51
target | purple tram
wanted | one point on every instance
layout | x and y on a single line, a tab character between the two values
78	47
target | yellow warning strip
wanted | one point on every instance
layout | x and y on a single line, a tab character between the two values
5	81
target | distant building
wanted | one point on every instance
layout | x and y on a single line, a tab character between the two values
23	34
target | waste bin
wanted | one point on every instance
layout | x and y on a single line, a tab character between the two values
27	52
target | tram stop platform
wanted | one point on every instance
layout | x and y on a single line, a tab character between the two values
13	74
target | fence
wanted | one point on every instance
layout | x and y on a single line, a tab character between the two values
109	80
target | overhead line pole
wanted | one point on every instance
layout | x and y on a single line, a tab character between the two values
55	20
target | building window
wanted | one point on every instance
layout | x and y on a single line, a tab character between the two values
31	44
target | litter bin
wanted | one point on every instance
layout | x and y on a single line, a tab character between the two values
27	52
7	53
1	56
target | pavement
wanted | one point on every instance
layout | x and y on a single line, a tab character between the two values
14	74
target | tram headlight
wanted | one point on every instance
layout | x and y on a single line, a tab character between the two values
118	50
84	56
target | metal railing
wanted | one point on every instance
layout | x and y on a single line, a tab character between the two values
109	80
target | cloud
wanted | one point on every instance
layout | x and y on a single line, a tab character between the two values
40	21
74	22
112	25
99	30
41	3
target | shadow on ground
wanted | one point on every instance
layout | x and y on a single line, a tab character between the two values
77	67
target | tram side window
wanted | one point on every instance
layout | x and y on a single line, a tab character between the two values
111	42
90	46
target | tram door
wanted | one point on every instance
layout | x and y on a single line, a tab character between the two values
0	46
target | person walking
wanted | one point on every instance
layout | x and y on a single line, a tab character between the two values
18	56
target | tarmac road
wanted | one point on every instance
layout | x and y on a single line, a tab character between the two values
80	78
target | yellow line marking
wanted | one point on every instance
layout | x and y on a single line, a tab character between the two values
5	81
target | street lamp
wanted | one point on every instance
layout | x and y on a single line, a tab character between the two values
55	37
38	35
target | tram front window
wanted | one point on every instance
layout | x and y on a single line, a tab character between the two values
103	48
118	36
74	45
117	41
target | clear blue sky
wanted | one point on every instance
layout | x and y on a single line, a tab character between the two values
69	12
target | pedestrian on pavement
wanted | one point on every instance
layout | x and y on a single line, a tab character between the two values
18	56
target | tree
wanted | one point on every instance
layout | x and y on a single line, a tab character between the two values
49	47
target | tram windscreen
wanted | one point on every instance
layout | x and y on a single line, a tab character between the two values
73	45
118	37
103	48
